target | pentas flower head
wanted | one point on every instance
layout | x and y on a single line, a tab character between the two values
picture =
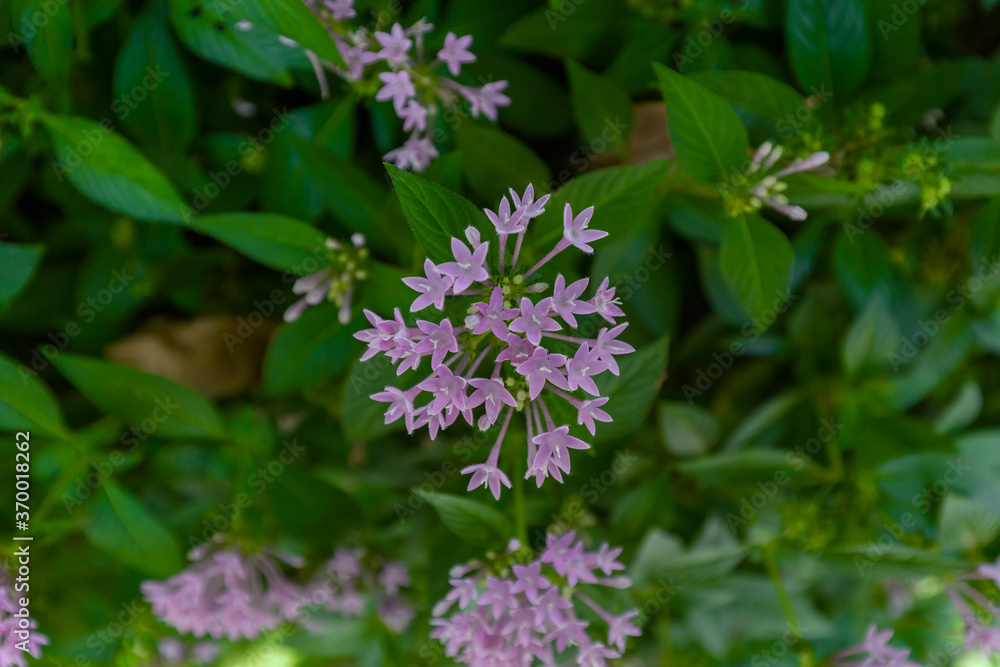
334	283
394	62
351	577
516	611
874	651
512	353
12	622
758	186
227	593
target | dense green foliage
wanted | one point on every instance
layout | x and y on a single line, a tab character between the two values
810	424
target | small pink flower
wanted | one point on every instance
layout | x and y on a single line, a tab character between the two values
581	369
590	411
434	287
468	265
605	303
494	315
395	46
540	368
397	86
575	230
414	116
534	320
456	52
565	300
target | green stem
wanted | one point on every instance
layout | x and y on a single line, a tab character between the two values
522	518
771	564
82	35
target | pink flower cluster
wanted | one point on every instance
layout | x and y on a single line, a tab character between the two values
508	321
173	651
408	80
341	584
17	631
976	609
227	593
529	613
877	652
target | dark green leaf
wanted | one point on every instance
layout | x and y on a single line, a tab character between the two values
154	97
17	265
313	348
472	521
26	403
495	161
829	44
276	241
121	527
149	404
602	109
109	171
46	29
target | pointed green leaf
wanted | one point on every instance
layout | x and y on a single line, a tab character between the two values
756	260
708	137
26	403
109	171
473	521
121	527
277	241
17	265
602	108
435	213
151	405
829	44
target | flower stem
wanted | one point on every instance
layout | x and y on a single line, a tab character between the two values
771	564
522	517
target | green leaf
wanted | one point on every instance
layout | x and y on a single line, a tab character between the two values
121	527
829	44
708	137
26	403
872	338
585	31
633	391
359	201
962	410
209	32
623	199
967	524
17	265
861	263
109	171
495	161
153	92
473	521
149	404
314	347
897	561
756	259
367	416
662	556
602	108
768	98
435	214
276	241
748	467
45	27
687	430
292	18
896	43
